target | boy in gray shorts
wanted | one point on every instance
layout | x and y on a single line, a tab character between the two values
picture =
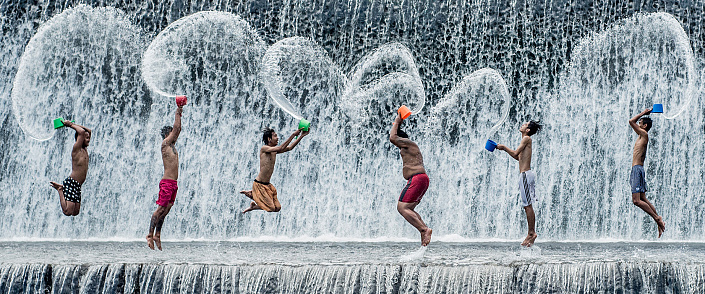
637	177
527	177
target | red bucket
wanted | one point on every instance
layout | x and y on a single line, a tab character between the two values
180	100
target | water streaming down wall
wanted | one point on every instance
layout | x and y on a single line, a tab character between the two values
343	180
524	278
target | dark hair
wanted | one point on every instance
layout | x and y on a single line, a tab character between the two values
647	122
401	133
166	130
267	134
534	127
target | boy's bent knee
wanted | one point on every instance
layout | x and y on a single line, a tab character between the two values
402	209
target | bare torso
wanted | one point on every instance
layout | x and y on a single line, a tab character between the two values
266	165
412	159
525	158
79	165
639	154
171	161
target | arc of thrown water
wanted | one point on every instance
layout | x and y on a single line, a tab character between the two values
210	36
386	52
45	78
683	43
152	60
271	72
490	73
661	21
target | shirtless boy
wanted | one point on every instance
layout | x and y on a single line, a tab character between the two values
168	185
527	177
70	191
637	178
417	180
263	193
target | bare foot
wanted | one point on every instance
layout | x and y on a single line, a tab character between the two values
426	237
247	193
252	207
158	241
56	186
661	225
530	238
150	241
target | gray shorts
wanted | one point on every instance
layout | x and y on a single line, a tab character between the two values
527	187
638	179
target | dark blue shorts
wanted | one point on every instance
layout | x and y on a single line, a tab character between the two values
638	179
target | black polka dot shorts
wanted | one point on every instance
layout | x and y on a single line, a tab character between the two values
72	190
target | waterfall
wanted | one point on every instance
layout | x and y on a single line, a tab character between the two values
524	278
470	70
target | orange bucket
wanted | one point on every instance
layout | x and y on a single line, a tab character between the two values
404	112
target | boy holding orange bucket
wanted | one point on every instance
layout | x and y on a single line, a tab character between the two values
415	174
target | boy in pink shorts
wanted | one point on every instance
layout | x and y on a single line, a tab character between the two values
167	192
168	185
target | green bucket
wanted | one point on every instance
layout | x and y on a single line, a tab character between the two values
303	123
59	123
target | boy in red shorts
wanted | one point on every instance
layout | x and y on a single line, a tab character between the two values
168	185
418	181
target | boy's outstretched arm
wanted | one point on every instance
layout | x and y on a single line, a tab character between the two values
282	147
296	142
176	129
515	153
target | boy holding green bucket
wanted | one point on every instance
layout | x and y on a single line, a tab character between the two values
527	177
263	193
70	191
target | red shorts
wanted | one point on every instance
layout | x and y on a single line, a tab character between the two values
415	188
167	192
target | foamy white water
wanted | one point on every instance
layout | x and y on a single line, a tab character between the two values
343	180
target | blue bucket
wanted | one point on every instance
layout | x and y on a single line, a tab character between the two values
658	108
490	145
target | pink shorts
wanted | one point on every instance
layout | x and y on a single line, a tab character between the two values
167	192
415	188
